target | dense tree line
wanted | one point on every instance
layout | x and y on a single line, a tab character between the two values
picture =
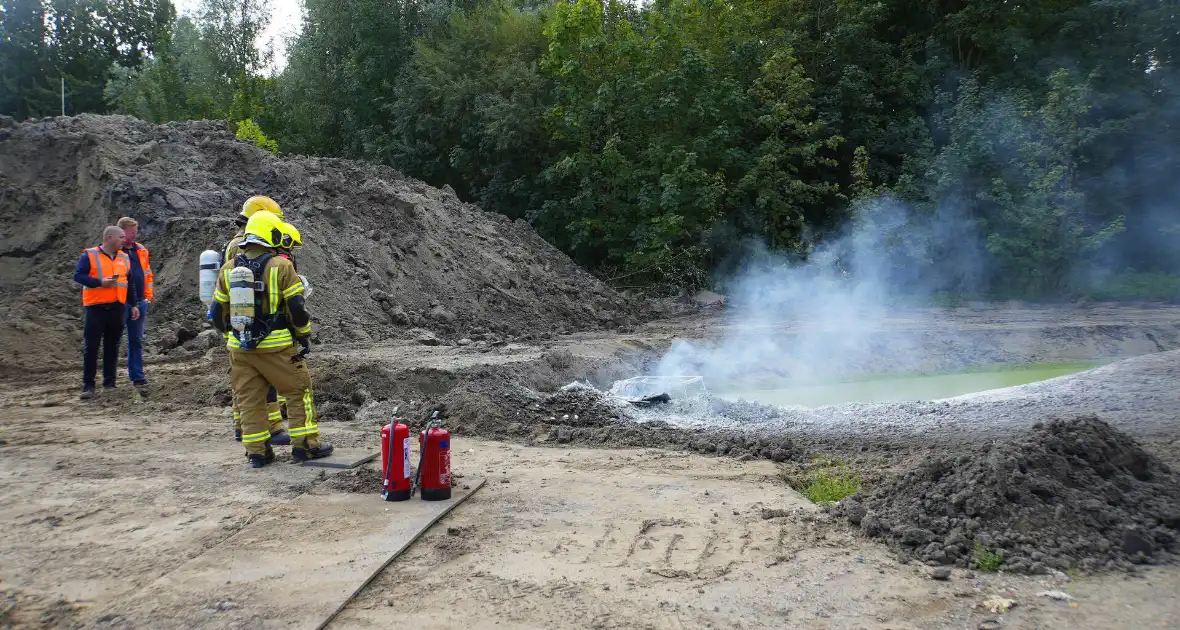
134	57
42	43
1007	149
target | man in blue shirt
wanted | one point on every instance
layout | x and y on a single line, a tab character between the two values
142	280
102	271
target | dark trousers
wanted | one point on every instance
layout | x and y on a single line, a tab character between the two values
102	324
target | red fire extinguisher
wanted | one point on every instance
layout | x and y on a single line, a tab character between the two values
434	469
395	461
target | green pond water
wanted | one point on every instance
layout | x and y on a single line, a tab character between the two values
903	387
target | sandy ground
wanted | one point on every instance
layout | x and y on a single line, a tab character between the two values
103	499
652	539
556	539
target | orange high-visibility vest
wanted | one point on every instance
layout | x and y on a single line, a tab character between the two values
101	266
149	278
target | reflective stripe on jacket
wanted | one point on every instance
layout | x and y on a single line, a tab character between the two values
101	267
149	278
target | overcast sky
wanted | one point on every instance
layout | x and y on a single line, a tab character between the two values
285	16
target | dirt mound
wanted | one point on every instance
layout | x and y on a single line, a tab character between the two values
1068	493
388	256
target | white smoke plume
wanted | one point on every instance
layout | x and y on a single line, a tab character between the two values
798	323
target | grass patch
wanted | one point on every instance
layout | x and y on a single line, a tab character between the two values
823	480
986	560
831	485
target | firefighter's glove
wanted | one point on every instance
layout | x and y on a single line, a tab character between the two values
305	348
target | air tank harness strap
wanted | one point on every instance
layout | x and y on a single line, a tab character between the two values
266	318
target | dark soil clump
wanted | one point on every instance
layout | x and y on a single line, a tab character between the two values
1064	494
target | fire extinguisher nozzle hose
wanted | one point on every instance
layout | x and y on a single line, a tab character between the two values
430	424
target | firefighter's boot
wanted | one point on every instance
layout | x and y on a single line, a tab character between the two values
258	461
302	454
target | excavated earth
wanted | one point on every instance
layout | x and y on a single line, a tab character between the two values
388	256
1064	494
423	303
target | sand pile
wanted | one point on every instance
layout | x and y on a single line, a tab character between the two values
1067	493
389	257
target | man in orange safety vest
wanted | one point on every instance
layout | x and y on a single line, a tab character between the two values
143	282
102	271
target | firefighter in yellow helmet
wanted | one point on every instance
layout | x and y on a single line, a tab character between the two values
289	240
259	304
228	251
249	207
276	404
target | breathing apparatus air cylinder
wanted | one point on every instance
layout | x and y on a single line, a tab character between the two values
241	298
435	446
395	461
210	263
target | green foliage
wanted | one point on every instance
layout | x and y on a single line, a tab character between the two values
776	186
1019	163
43	43
465	111
342	70
832	484
210	69
1133	286
665	137
987	560
250	131
822	480
1033	150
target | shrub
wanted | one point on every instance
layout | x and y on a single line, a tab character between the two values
985	560
250	131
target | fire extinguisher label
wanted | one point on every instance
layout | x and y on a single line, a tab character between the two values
444	467
406	458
